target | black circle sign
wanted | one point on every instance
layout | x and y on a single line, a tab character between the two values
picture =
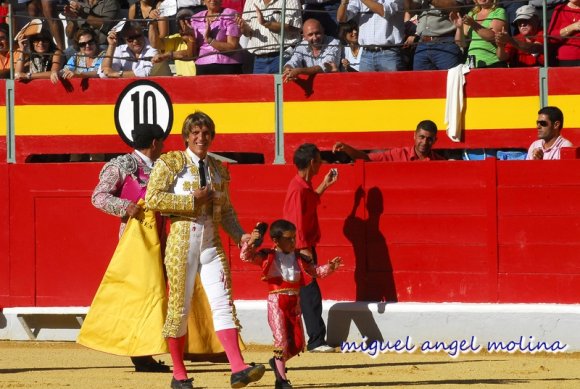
142	101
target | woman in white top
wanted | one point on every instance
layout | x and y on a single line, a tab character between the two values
351	51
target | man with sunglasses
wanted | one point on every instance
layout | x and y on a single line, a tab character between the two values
550	123
132	59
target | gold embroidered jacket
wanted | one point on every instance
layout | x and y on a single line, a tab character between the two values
170	194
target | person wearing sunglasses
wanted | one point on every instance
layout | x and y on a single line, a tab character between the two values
526	48
351	50
86	61
549	124
39	59
132	59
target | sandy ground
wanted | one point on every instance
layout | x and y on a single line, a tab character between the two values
67	365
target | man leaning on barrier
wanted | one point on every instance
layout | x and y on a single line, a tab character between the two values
424	138
317	53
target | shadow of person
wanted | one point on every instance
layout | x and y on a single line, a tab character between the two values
373	271
307	85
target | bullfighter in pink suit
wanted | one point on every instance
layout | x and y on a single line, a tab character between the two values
122	183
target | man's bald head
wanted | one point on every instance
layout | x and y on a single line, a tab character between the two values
313	32
312	23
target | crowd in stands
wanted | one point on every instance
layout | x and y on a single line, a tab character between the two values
199	37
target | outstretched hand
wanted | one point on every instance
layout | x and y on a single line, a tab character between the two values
335	263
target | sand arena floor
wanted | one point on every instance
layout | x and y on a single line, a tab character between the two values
67	365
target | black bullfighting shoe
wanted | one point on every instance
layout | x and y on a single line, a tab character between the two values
251	373
182	384
282	384
149	365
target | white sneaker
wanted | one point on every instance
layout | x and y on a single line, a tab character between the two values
323	349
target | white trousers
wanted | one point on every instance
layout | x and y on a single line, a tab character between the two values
205	255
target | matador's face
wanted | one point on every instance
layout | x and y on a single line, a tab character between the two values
199	140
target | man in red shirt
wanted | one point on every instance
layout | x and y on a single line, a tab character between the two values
425	137
300	208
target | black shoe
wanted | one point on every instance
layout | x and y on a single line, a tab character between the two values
250	374
282	384
149	365
182	384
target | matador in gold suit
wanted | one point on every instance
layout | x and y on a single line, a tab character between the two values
191	187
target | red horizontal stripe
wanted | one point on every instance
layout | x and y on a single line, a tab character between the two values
322	87
564	81
264	143
182	90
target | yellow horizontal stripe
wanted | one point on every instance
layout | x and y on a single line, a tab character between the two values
3	130
496	113
230	118
570	106
359	116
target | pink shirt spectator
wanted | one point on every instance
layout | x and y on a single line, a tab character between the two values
551	153
221	28
402	154
300	208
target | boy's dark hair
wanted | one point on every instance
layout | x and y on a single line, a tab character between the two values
427	125
554	114
143	135
280	226
304	154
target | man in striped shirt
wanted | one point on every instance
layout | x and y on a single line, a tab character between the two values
261	23
381	32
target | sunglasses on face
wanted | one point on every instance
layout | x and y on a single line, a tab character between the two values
85	44
542	123
133	38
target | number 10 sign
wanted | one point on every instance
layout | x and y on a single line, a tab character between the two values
142	102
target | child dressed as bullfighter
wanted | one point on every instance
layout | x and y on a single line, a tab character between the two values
284	269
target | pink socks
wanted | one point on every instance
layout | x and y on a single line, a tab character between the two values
176	347
281	367
229	341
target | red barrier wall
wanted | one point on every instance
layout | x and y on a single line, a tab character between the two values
4	234
369	110
538	231
60	245
487	231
